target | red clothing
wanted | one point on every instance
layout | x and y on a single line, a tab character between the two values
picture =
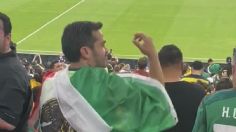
48	74
141	72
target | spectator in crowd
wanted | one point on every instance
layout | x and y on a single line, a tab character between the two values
196	75
142	65
186	69
116	69
91	99
15	94
109	54
55	66
29	69
217	111
228	60
121	66
38	72
185	96
215	71
125	69
109	68
225	74
114	61
209	62
228	67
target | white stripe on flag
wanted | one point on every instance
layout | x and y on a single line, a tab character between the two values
77	111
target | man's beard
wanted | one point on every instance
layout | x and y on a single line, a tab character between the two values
99	62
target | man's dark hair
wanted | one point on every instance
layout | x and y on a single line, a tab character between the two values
228	60
77	35
197	65
142	63
169	55
6	23
209	60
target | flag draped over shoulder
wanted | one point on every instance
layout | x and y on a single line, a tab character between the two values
90	97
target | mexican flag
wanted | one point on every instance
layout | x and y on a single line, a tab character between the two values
90	99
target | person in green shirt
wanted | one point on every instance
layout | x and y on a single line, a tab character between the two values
217	112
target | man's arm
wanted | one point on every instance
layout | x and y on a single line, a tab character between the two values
146	46
12	99
6	126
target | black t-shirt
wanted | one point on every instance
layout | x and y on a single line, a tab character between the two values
186	98
15	94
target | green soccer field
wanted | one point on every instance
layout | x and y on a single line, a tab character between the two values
201	28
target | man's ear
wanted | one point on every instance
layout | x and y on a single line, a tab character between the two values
85	52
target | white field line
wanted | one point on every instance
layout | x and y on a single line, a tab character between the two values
186	58
118	55
39	52
49	22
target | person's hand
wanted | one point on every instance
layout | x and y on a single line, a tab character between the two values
145	44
